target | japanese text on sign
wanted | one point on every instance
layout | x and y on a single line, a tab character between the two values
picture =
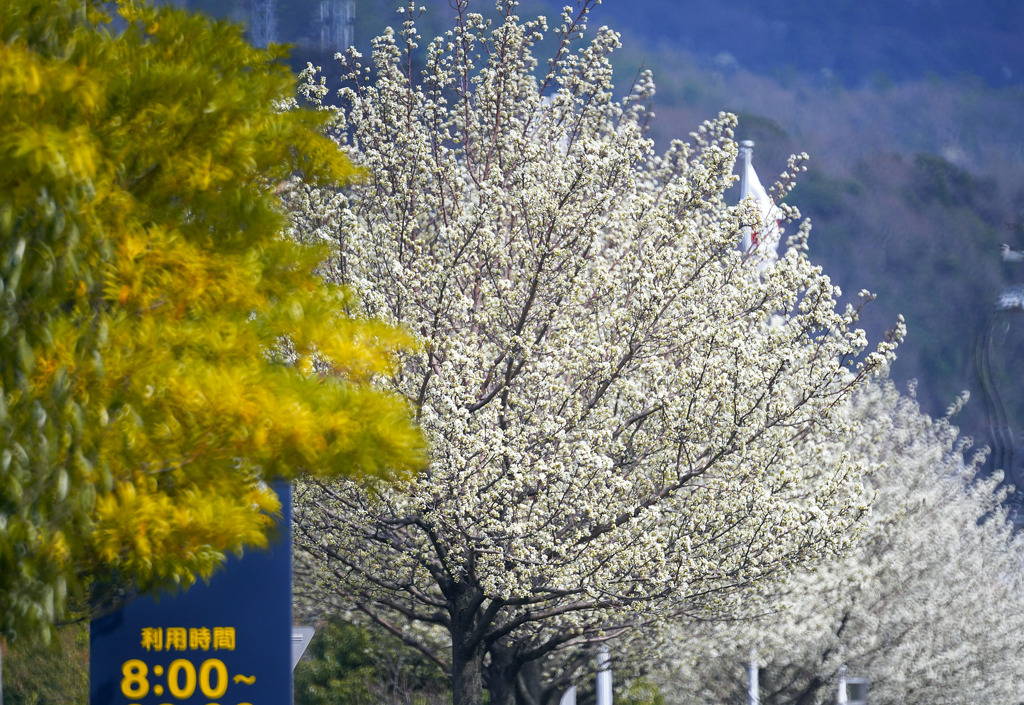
191	639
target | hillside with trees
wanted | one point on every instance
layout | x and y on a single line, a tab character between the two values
854	43
911	191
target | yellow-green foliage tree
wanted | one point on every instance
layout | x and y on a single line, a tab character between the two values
163	350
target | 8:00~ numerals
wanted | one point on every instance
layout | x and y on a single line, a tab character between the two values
181	680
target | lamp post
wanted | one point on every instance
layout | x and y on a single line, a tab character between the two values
753	691
604	677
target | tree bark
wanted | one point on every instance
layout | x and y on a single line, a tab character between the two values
467	645
528	685
501	675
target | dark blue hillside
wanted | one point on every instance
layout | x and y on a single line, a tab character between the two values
855	41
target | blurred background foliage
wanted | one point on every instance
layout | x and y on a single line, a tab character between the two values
347	664
37	674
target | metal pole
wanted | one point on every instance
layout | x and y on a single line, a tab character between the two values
841	697
604	677
349	38
753	692
263	22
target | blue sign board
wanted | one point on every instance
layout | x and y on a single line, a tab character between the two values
223	643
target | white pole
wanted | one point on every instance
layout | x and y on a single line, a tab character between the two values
841	698
746	155
604	677
753	693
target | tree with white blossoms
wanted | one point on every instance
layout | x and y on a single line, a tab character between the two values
929	606
614	396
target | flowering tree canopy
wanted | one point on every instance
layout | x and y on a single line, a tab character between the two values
929	606
614	396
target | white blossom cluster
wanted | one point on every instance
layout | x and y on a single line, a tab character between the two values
929	606
618	403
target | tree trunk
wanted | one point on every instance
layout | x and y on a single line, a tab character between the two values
528	685
467	646
810	693
501	675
